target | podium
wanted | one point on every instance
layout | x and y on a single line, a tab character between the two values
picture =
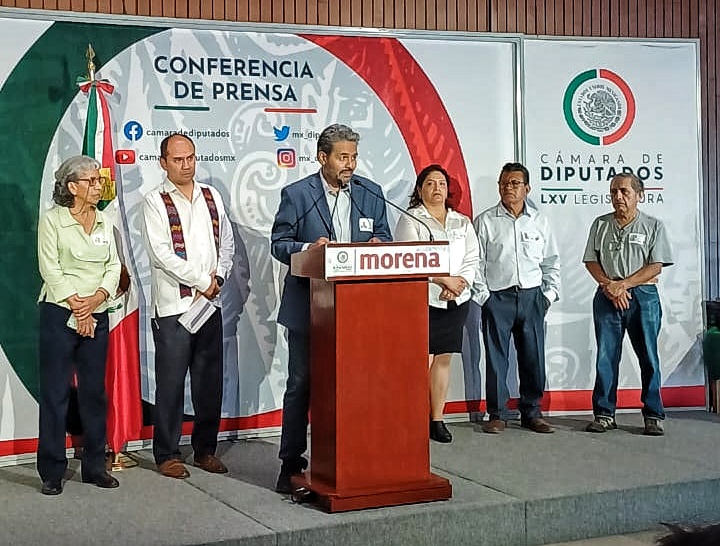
369	386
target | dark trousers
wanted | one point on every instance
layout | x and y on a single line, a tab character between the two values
520	312
296	402
176	352
63	350
471	353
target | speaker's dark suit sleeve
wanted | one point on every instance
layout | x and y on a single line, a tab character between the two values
285	238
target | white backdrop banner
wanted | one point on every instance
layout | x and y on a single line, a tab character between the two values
255	103
593	109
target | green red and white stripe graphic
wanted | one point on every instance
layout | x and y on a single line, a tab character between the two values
413	102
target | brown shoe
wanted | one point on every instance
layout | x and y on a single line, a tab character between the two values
538	424
494	426
173	469
210	463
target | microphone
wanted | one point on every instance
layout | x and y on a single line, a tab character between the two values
393	205
333	235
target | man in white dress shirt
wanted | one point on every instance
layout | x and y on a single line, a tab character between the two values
518	280
190	244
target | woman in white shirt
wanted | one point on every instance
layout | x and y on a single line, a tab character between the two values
448	296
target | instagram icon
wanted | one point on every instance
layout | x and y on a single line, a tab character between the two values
286	158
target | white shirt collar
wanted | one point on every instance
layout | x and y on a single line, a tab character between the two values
423	211
169	187
528	210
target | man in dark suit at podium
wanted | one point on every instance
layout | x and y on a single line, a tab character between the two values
330	205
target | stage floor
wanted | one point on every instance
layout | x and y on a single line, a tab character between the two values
517	488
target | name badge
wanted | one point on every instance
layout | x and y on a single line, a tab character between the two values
636	238
99	239
529	236
366	224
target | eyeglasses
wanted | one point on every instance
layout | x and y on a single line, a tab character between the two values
514	184
95	181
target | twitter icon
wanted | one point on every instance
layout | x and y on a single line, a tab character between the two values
282	133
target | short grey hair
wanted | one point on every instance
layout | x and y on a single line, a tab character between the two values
69	171
335	133
635	182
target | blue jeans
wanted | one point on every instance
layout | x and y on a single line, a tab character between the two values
642	323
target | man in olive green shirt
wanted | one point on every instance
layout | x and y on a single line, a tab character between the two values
626	251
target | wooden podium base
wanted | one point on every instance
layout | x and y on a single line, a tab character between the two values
332	500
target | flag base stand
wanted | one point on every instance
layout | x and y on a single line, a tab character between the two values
122	461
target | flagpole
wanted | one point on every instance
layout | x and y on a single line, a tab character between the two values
122	461
90	56
123	363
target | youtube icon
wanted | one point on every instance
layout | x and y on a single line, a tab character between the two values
125	157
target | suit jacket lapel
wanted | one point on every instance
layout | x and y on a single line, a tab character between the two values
318	196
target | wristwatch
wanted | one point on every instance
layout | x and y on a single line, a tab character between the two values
219	280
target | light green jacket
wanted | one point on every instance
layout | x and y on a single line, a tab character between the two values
73	262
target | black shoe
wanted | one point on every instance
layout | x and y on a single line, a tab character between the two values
439	432
52	487
104	480
289	469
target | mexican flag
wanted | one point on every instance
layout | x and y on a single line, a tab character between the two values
97	138
122	375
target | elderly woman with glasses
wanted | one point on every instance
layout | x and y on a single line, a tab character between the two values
429	213
80	268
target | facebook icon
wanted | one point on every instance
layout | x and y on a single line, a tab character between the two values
133	131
